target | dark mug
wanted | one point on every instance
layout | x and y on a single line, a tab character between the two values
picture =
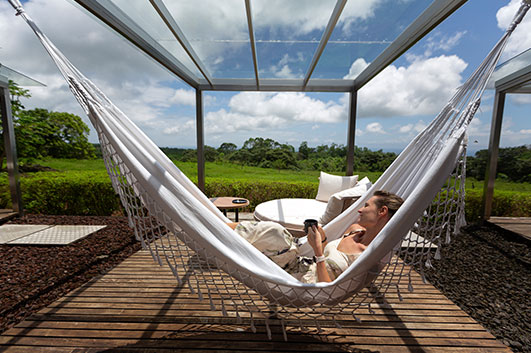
308	223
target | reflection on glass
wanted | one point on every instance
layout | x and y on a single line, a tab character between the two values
17	77
287	34
144	15
363	31
510	66
284	59
218	33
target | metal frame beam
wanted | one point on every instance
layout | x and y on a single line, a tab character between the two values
340	5
492	159
168	19
10	147
253	43
351	139
438	11
115	18
121	23
278	85
200	139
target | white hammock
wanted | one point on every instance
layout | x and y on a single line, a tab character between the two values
178	223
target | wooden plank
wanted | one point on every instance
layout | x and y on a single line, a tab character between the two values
138	307
519	225
170	326
226	340
96	331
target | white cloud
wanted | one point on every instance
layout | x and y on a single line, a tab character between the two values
184	97
421	88
521	98
283	70
520	40
287	106
356	68
258	111
442	42
313	15
188	125
406	128
375	128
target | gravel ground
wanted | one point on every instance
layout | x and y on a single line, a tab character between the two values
486	271
32	277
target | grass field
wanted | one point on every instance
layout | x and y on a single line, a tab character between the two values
238	172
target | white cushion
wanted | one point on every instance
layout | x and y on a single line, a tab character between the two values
337	202
291	213
330	184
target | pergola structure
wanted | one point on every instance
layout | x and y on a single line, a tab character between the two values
513	76
8	131
246	44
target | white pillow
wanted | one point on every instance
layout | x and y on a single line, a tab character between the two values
330	184
341	200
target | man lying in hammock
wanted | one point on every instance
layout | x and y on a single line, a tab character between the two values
331	258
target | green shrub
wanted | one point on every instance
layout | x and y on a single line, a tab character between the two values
504	204
91	193
71	193
259	191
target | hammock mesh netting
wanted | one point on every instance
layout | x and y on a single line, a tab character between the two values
183	229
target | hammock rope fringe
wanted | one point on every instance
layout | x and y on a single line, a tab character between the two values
180	226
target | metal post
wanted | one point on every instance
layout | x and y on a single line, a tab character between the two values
10	148
351	131
492	161
200	139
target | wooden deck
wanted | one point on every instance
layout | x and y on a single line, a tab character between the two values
137	307
6	215
519	225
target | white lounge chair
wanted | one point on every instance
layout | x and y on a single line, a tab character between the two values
335	194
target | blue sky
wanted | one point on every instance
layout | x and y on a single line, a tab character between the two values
393	107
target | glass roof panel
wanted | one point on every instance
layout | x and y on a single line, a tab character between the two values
219	34
287	33
145	16
363	31
510	66
19	78
284	59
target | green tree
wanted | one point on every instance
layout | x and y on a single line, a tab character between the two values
227	148
54	134
16	93
41	133
514	163
304	150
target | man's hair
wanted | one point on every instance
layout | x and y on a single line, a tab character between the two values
385	198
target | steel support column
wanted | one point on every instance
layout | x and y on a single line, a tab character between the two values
351	139
492	160
200	139
10	148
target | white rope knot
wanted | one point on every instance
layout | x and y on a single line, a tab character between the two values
526	4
